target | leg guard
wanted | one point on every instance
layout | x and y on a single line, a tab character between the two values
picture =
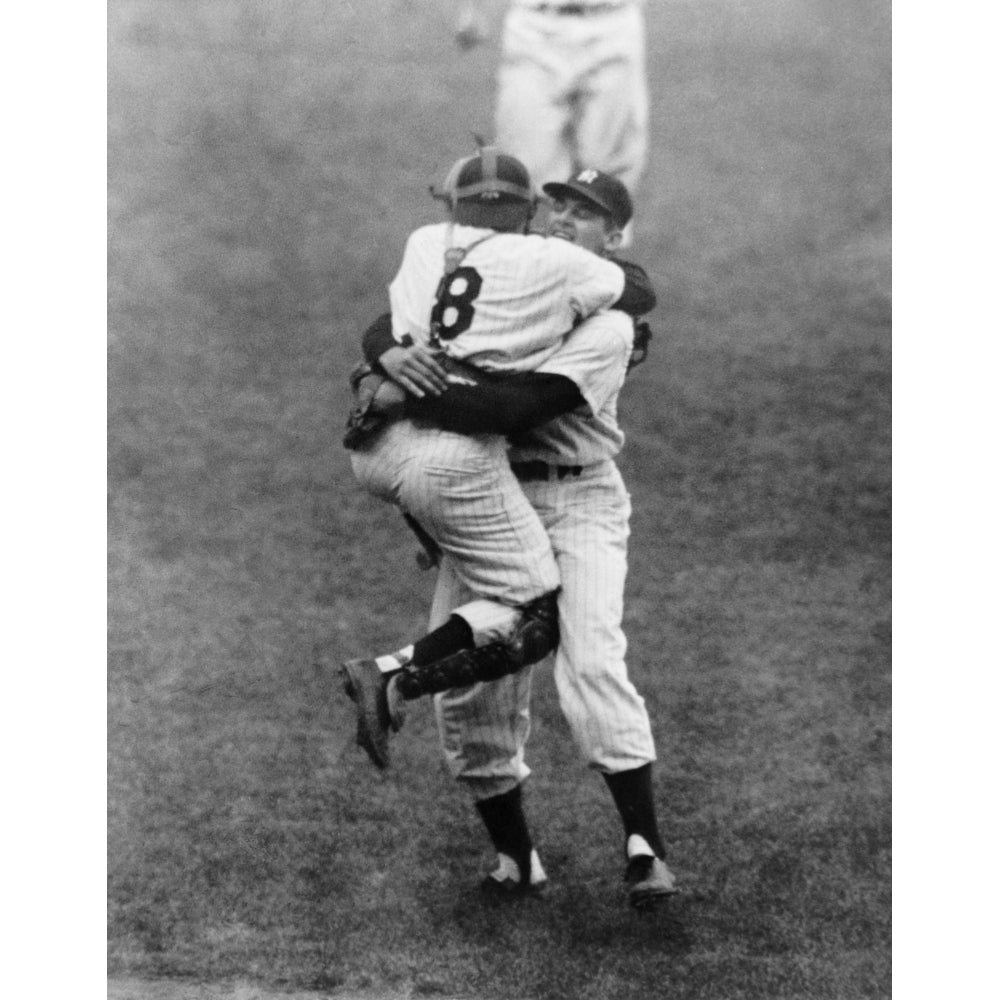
487	663
536	635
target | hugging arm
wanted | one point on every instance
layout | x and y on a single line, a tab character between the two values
638	297
493	405
506	406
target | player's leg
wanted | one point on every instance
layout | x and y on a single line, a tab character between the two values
588	521
533	107
463	493
612	126
476	625
588	524
453	655
378	467
483	730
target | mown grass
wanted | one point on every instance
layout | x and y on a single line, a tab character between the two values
266	164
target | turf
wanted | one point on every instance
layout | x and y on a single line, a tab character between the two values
266	164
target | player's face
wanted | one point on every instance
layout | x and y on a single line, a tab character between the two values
580	222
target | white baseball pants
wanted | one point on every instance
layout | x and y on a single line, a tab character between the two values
461	490
484	728
572	93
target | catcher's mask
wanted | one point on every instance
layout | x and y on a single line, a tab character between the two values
486	177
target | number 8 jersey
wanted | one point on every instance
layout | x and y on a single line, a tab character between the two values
504	305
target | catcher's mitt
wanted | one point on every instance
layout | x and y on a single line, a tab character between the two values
367	416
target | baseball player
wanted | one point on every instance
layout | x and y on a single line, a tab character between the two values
474	288
567	469
571	86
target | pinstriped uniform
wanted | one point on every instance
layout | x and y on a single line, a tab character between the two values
463	493
460	487
484	728
533	290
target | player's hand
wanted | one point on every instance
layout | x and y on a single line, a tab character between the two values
416	369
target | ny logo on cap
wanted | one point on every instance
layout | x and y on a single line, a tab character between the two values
587	176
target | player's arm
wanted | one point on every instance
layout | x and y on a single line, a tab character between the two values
378	339
492	406
508	405
592	282
638	297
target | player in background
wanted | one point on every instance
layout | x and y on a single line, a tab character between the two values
474	288
567	470
571	86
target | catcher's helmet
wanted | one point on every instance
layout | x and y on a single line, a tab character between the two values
488	176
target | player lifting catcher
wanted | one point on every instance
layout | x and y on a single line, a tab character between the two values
477	290
561	421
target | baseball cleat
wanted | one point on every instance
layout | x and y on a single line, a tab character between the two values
366	686
395	703
505	881
649	880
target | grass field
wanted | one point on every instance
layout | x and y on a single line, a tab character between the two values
267	161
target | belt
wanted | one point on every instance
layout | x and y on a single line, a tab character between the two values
537	470
579	9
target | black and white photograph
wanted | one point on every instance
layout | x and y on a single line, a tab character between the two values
499	477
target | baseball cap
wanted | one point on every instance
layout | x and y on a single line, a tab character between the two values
488	175
601	189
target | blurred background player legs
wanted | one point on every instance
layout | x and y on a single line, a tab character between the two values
572	88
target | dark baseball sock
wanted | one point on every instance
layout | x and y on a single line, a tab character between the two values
503	816
633	795
455	634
